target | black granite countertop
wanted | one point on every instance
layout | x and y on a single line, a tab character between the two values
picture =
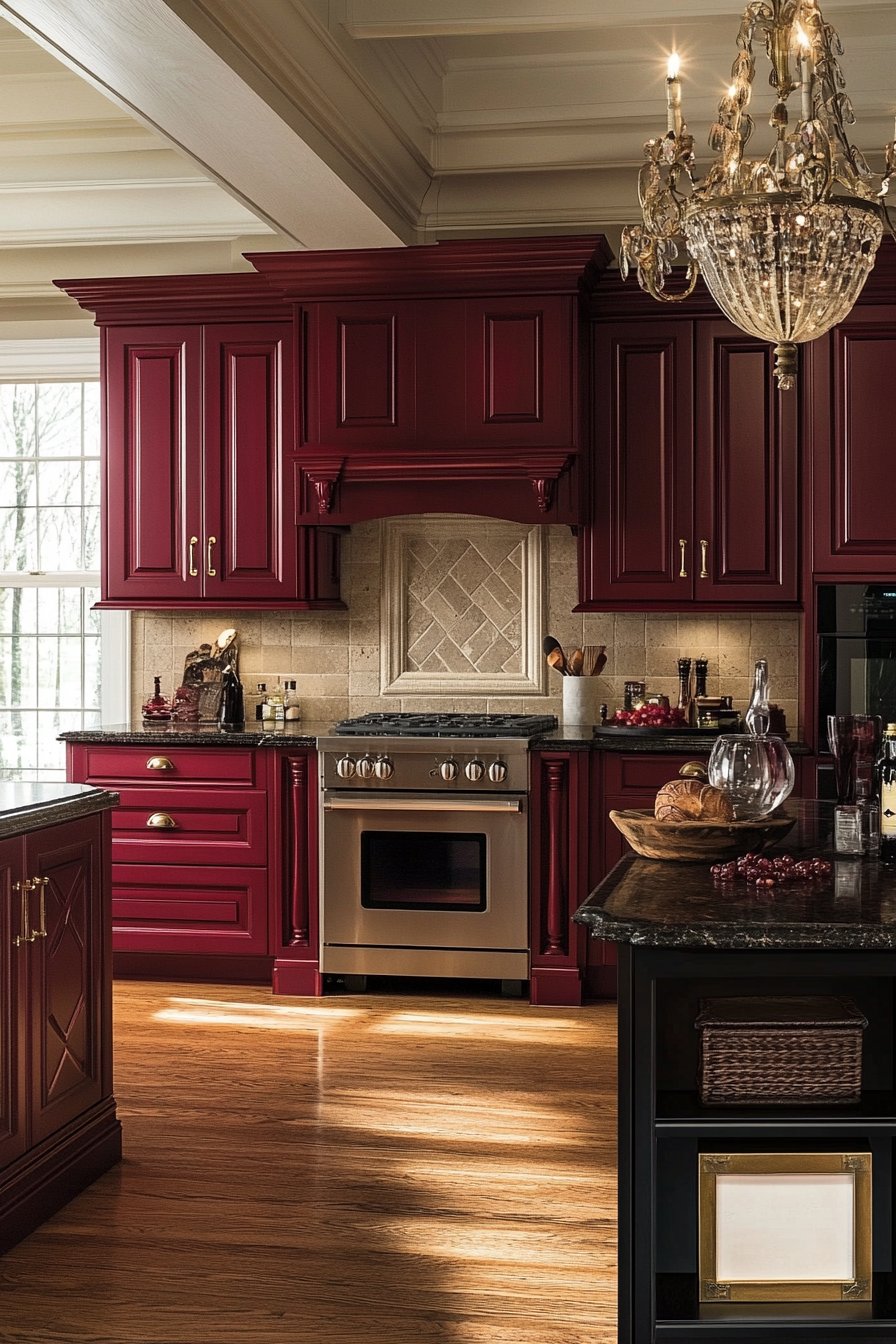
253	733
29	807
304	733
660	904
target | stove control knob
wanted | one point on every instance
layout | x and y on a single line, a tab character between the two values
345	768
366	767
474	770
497	772
449	770
383	768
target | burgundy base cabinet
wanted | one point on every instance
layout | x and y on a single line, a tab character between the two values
214	860
58	1128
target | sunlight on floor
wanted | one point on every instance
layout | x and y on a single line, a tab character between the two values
543	1030
216	1012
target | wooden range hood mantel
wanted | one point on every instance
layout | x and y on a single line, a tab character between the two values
447	378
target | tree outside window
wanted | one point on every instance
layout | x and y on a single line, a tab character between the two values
50	647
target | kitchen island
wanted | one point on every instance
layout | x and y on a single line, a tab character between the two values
58	1126
682	937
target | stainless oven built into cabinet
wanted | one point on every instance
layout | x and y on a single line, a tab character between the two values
430	880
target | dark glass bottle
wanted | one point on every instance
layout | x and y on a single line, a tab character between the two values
685	700
231	698
886	778
701	668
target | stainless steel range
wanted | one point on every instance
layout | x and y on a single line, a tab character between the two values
424	845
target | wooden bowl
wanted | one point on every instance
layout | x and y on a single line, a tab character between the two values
699	841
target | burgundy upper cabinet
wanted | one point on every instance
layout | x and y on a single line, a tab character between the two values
441	378
853	435
199	428
637	547
746	542
695	471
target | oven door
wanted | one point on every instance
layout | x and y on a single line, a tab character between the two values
409	870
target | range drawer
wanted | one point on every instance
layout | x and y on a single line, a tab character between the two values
184	825
156	908
169	765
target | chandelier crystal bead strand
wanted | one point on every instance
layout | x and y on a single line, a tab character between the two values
785	242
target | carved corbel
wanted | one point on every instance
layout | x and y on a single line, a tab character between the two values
544	491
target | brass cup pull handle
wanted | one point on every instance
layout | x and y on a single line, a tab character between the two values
704	572
683	573
43	883
159	763
194	541
26	936
160	821
212	541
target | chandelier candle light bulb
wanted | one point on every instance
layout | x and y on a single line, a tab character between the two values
784	240
673	95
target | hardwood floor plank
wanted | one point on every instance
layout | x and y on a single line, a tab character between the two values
354	1170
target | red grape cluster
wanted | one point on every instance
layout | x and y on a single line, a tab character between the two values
776	872
649	716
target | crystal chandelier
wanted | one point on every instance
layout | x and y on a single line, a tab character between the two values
785	242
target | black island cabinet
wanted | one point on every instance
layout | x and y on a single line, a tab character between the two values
684	937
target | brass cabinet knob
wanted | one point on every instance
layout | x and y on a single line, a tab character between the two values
693	770
159	763
160	821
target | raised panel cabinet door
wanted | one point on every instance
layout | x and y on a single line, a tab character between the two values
13	1014
66	996
521	371
639	547
366	374
746	545
152	510
248	537
853	432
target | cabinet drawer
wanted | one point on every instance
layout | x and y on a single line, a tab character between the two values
160	908
224	827
185	765
643	774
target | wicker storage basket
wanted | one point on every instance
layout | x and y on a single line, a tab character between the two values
794	1051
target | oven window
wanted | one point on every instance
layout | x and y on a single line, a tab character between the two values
422	870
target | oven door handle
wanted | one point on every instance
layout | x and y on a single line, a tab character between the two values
379	803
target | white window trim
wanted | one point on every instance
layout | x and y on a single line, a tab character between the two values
115	635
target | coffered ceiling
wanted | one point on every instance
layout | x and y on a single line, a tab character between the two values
175	134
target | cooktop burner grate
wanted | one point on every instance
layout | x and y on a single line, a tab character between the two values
446	725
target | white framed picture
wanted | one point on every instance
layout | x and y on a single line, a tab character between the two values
785	1227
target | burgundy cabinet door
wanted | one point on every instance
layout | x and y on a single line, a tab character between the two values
521	382
853	432
13	1017
152	506
66	987
745	541
643	466
363	396
248	540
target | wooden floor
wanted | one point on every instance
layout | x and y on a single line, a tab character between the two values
357	1170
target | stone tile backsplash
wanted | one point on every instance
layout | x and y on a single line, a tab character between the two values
335	657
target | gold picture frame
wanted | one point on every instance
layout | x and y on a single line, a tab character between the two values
785	1227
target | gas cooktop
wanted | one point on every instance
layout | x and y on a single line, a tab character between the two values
446	725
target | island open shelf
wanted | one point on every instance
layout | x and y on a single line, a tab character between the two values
683	939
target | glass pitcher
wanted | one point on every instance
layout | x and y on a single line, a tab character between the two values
756	772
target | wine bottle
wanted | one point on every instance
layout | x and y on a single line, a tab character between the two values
886	775
685	702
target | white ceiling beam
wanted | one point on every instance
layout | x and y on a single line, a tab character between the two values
152	63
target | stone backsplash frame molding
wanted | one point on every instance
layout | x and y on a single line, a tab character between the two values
397	677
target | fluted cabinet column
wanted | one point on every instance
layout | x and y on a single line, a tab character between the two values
561	872
294	884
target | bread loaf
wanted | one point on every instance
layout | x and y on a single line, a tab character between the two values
692	800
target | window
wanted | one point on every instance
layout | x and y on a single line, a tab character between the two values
52	645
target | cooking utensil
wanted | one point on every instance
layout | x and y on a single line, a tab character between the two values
556	660
575	663
549	644
595	659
